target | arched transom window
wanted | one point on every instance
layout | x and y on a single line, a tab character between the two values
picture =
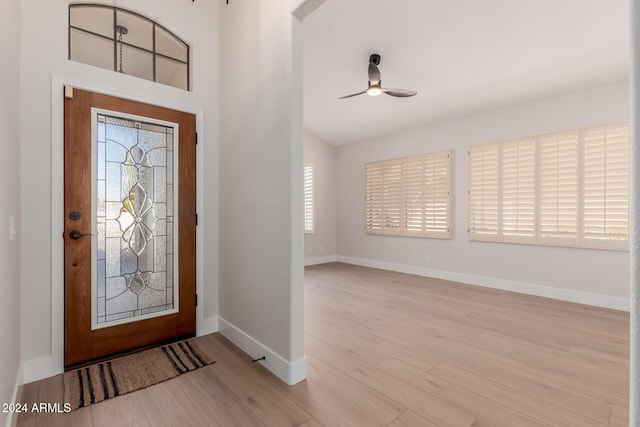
127	42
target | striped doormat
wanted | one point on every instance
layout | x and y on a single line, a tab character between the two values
95	383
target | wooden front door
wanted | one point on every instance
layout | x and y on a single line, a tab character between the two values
130	225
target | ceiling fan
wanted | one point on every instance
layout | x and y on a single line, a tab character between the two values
375	85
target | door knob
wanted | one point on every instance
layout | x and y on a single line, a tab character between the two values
75	234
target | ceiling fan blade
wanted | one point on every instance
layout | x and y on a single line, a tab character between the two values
374	74
353	94
403	93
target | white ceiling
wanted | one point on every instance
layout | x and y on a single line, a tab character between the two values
460	55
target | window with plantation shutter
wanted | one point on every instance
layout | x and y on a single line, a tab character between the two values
373	197
605	176
566	189
309	224
392	196
436	191
484	201
558	189
409	196
518	191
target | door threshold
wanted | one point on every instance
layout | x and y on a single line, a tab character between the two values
126	353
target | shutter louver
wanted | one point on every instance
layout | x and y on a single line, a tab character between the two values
605	192
408	196
308	199
484	161
558	189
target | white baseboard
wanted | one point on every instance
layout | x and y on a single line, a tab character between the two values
12	420
289	372
37	369
207	326
320	260
598	300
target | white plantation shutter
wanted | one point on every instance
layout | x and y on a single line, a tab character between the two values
373	197
392	196
558	189
436	190
605	192
566	189
483	192
413	194
308	199
518	191
409	196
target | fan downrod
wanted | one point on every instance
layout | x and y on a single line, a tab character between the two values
374	58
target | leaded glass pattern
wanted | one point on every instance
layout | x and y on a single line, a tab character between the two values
135	219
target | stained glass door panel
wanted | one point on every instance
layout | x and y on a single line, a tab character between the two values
135	219
129	230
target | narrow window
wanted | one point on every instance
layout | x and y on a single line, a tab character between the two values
309	222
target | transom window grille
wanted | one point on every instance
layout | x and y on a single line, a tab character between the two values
565	189
120	40
409	196
309	222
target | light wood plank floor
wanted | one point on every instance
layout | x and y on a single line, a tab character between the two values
390	349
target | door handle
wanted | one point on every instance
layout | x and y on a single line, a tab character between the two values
75	235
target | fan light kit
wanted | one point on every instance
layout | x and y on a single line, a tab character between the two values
375	84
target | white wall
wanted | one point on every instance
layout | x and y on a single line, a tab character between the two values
320	246
44	54
10	200
261	178
603	275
